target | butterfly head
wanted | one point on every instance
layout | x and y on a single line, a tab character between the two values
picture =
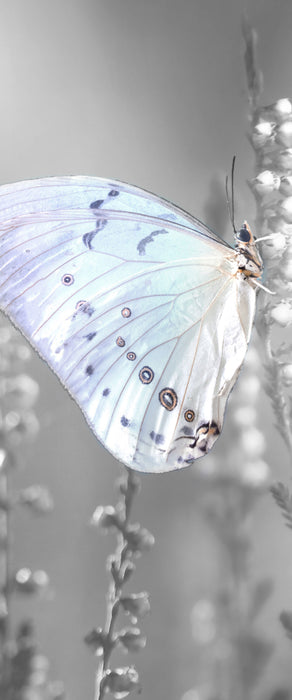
249	260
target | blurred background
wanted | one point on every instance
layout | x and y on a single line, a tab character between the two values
151	92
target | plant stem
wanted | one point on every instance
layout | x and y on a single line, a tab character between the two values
114	591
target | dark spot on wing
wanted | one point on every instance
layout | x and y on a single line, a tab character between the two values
141	247
88	309
89	370
214	430
87	238
204	436
85	307
96	204
113	193
125	421
157	438
90	336
186	430
106	392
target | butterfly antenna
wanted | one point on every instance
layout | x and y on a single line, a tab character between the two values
231	205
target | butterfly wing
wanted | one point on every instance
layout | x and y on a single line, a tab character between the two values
135	305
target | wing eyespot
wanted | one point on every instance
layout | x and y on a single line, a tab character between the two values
67	280
146	375
126	312
120	341
168	398
189	415
131	356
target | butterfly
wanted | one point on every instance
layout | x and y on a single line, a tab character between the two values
139	308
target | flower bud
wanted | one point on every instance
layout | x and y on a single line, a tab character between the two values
286	185
37	498
274	246
138	538
284	134
280	110
282	313
285	209
136	605
284	159
121	681
97	640
132	639
265	182
286	270
262	134
286	374
106	518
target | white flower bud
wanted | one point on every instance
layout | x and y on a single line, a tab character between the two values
286	184
282	313
286	270
266	182
274	246
284	134
285	209
286	373
284	159
281	110
263	133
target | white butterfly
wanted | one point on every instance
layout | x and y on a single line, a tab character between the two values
143	313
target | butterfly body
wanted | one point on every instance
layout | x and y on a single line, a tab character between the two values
141	310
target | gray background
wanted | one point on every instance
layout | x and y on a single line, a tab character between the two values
151	92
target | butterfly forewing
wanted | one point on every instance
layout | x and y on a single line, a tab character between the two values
134	304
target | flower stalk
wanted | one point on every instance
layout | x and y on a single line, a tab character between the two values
132	541
270	135
23	671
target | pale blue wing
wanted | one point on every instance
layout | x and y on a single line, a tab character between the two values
134	304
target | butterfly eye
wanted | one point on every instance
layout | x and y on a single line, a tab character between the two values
243	235
67	280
